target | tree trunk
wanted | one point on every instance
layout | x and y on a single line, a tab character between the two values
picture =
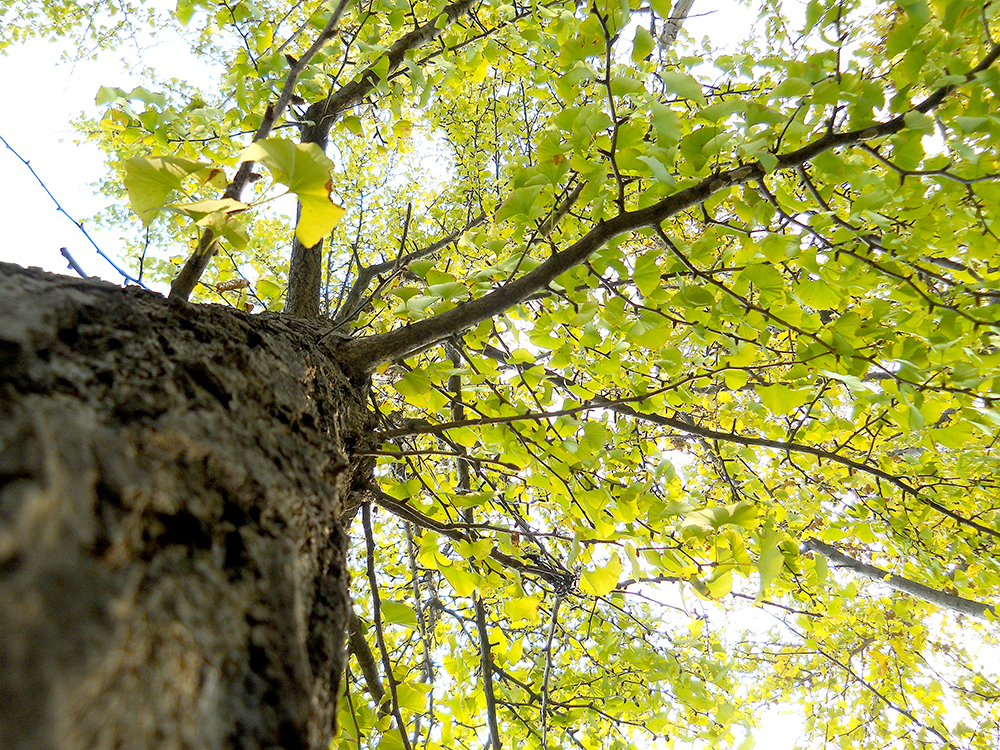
172	479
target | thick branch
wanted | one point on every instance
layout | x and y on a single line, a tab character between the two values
366	517
934	596
366	660
548	670
672	25
464	486
486	667
375	350
324	113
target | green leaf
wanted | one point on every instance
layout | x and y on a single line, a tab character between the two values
268	289
770	563
700	523
667	124
149	180
658	168
305	170
391	741
920	122
647	273
413	695
463	580
108	95
791	87
397	613
780	399
519	203
415	387
201	211
766	278
603	580
683	85
642	44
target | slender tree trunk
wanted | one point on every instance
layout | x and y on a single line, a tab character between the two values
172	477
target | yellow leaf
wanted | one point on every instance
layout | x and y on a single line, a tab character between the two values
464	581
602	581
319	216
305	169
522	608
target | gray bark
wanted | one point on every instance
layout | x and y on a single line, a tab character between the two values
172	569
904	585
672	24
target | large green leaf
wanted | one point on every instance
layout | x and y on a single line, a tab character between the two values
305	170
150	180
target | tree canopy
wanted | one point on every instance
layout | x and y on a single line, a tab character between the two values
685	361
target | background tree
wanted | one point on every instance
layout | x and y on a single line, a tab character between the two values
602	347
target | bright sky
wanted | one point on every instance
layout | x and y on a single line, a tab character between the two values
43	96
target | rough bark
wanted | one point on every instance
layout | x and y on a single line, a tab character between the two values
172	476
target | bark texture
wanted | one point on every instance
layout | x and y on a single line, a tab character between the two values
171	558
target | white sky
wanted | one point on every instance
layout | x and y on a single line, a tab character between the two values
42	99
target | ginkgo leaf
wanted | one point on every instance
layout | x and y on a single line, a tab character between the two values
149	180
463	580
413	695
391	741
415	387
684	85
200	210
702	522
522	608
223	223
642	44
601	581
305	170
647	273
770	562
397	613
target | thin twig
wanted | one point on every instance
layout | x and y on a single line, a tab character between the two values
464	486
350	705
366	520
425	638
142	257
72	263
353	304
548	670
406	231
